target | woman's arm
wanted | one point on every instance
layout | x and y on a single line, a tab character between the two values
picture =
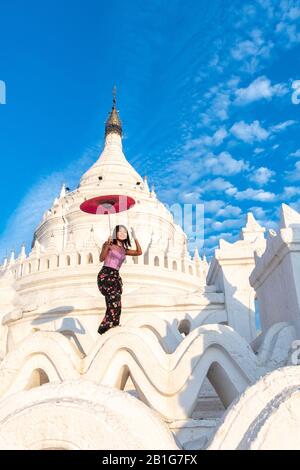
138	250
105	249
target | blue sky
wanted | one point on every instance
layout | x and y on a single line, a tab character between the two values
205	92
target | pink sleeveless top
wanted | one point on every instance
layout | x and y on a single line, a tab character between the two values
115	257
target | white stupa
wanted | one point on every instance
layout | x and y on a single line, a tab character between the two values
56	282
189	362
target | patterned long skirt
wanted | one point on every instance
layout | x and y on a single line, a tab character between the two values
110	285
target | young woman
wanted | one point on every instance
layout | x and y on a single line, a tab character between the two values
109	281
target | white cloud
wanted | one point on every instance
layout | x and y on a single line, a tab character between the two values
39	198
255	132
221	104
294	175
296	93
250	47
258	212
280	26
191	197
206	140
285	13
220	209
213	205
246	13
295	154
22	222
290	30
295	205
262	175
255	194
294	13
217	184
290	9
289	192
218	108
269	7
229	211
215	63
195	164
282	125
249	132
223	163
231	191
260	88
251	51
226	224
217	101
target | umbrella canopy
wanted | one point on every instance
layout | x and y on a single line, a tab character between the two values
107	204
110	204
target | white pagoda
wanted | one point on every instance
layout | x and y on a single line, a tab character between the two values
188	353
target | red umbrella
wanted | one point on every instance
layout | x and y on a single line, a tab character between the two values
107	205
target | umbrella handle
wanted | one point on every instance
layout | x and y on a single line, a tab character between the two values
109	225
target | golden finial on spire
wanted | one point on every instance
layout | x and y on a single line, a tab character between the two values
113	123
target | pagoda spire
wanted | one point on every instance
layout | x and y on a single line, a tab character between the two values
113	123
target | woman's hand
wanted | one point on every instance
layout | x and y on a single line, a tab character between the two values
133	233
108	243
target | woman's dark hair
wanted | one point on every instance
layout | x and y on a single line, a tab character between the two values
126	242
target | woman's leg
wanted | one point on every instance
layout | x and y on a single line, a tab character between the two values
103	286
116	300
116	306
111	288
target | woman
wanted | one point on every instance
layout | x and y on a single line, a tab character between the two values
109	281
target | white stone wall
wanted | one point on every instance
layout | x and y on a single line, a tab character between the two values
276	277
